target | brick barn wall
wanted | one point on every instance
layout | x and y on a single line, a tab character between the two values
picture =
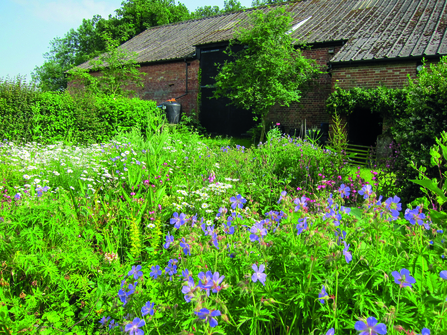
389	74
312	105
165	81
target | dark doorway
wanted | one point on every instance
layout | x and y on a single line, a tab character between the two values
364	127
216	115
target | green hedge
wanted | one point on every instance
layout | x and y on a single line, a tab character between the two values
27	114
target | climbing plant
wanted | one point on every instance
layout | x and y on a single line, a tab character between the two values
388	102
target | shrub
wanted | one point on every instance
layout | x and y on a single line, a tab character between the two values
424	119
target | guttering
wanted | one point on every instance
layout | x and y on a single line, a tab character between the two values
382	60
186	82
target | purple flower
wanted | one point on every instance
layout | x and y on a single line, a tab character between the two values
177	220
301	226
122	295
282	196
169	240
222	211
216	281
342	235
228	229
413	216
17	196
186	247
215	241
347	253
322	294
366	191
104	320
370	327
132	327
205	280
258	275
331	331
171	270
155	271
403	278
147	309
189	289
393	205
257	231
208	316
425	331
113	324
344	191
237	202
333	215
443	274
300	203
135	272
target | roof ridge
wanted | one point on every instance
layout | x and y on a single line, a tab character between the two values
225	14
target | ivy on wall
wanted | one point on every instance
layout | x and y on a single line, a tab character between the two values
389	103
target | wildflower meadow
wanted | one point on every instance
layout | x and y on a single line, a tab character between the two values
174	233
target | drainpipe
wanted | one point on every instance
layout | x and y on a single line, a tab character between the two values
186	83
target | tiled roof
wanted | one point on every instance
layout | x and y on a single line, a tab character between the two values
371	29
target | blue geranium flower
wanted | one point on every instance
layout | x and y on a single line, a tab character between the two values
208	316
403	278
344	191
135	272
237	202
370	327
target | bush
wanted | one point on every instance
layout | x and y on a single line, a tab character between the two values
27	114
17	97
423	120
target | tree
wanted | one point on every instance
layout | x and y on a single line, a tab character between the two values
207	11
86	42
117	72
268	70
258	3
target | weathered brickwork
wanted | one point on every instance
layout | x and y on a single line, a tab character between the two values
165	81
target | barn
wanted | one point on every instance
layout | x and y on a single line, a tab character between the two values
358	43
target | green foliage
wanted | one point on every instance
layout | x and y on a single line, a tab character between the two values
338	142
389	103
117	72
67	253
424	119
86	42
17	100
435	189
269	69
207	11
29	115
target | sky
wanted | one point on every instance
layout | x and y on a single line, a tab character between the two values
28	26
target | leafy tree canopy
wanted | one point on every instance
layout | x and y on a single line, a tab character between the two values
207	11
269	69
86	42
116	72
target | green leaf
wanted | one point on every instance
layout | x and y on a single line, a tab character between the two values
429	184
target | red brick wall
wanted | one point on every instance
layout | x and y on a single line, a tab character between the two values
312	105
389	74
367	75
167	80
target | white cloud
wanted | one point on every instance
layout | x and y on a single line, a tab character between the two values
69	11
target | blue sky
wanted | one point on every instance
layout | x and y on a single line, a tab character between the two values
28	26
